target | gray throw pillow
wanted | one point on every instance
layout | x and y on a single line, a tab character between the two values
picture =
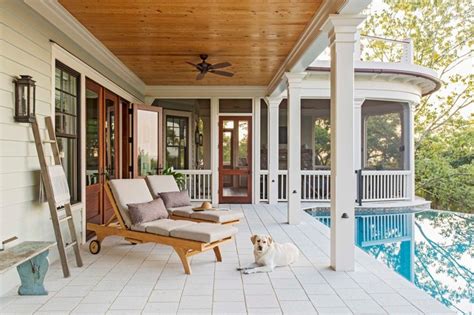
175	199
147	211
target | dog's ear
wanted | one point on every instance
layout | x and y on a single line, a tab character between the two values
269	239
253	238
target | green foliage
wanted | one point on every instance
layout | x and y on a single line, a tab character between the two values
178	177
443	36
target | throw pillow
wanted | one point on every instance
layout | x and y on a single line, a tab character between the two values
175	199
147	211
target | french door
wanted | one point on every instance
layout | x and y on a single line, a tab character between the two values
235	159
102	146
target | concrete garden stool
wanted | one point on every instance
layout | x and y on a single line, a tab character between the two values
30	259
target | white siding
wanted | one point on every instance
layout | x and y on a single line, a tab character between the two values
25	48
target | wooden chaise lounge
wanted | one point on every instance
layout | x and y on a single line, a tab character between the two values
187	238
166	183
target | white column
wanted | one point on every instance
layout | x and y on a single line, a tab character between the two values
411	153
256	150
294	146
273	151
215	149
358	133
342	38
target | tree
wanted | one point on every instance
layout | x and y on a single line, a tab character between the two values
443	36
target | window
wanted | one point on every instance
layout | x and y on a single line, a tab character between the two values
177	142
67	125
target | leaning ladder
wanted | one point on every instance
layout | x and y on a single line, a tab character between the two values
62	246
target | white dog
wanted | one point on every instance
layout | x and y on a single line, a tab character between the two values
269	255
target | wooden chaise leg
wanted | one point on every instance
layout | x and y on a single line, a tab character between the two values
182	253
217	252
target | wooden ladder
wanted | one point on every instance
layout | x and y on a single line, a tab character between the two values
62	246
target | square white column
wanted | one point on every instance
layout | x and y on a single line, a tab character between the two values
342	38
256	149
294	146
215	150
411	153
273	148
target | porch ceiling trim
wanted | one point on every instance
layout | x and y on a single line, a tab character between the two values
68	24
312	42
197	91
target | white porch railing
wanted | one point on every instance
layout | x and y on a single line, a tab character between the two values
385	185
315	185
399	50
198	183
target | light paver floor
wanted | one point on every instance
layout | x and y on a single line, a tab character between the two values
148	279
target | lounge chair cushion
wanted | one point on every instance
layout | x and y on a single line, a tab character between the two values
204	232
217	216
185	211
161	183
147	211
127	191
173	199
162	227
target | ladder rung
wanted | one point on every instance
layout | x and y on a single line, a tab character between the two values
65	218
70	245
49	141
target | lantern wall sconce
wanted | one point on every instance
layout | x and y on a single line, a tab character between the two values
198	137
25	99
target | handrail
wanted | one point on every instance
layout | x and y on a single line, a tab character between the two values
403	41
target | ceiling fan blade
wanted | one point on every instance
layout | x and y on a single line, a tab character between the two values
223	73
200	75
197	66
220	65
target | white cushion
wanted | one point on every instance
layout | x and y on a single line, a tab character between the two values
185	211
161	183
127	191
162	226
218	216
204	232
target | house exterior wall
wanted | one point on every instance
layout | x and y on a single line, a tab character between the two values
26	48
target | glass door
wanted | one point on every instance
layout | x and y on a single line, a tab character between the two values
94	152
147	140
235	158
102	158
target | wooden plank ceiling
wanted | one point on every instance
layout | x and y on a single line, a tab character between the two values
155	38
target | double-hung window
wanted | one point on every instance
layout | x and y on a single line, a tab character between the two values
67	86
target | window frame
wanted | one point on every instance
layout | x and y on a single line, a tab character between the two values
76	195
186	137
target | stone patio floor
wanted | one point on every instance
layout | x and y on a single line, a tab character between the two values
149	279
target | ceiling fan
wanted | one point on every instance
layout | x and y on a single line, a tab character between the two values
203	67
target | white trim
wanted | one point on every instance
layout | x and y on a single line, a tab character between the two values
78	65
202	91
309	46
57	15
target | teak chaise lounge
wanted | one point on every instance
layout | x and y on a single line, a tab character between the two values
166	183
186	237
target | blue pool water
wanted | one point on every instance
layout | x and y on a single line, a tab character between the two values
433	249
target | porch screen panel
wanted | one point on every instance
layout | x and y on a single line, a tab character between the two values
315	134
384	137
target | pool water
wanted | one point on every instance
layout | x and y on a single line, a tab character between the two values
432	249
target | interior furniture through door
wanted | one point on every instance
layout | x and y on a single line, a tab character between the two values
235	159
147	140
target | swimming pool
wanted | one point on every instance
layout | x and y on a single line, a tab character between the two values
433	249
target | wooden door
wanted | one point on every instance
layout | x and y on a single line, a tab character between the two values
94	152
147	140
111	146
235	159
102	150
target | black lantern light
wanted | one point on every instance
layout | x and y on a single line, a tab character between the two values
197	137
25	92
